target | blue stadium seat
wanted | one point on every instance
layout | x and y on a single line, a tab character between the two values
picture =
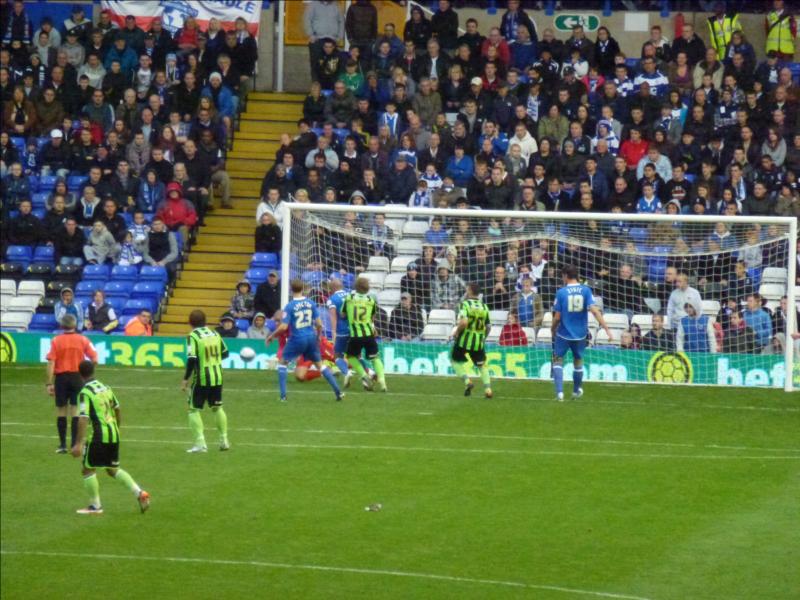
656	269
19	144
43	322
123	320
242	324
96	272
88	288
19	253
33	182
152	290
47	183
44	254
795	69
135	306
118	288
754	273
39	213
179	240
74	182
128	218
39	199
256	276
265	260
40	142
149	273
313	277
117	301
124	273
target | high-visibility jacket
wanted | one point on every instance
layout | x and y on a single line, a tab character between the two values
720	32
781	31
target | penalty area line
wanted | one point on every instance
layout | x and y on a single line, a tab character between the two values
325	568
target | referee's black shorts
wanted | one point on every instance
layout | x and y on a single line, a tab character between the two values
368	344
212	394
67	386
459	355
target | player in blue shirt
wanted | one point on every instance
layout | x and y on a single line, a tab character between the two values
341	330
301	318
571	311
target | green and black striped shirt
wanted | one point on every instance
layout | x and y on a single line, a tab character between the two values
98	404
207	347
360	311
473	336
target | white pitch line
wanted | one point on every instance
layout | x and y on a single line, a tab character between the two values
586	403
326	568
434	434
489	451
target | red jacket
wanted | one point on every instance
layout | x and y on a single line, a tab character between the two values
512	335
633	152
176	211
503	51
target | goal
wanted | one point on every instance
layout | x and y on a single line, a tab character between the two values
700	300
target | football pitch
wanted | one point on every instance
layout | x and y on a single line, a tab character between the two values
630	492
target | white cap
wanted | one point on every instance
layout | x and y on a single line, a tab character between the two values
476	81
56	133
215	75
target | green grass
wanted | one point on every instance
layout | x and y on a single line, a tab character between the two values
633	491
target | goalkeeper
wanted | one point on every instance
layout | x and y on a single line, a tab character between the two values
470	340
360	308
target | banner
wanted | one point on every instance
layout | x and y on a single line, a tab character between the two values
173	12
750	370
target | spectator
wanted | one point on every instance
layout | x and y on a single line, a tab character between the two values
141	325
123	54
25	229
695	331
499	296
658	339
267	299
512	333
321	21
406	322
690	44
101	245
530	309
151	193
242	302
55	155
68	243
67	305
272	204
758	319
55	218
444	25
682	295
258	331
161	248
361	26
416	285
227	327
100	315
447	289
176	212
268	235
739	338
19	115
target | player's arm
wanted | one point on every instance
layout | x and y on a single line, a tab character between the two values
191	364
334	316
598	314
461	325
225	352
51	375
83	421
89	350
278	331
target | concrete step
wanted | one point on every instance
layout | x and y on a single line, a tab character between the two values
228	277
223	218
261	147
238	173
276	97
244	187
226	267
253	124
199	295
250	163
224	243
215	257
268	136
174	304
232	229
273	110
224	287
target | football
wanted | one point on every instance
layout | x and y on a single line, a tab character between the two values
247	354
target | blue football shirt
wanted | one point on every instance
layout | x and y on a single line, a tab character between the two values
300	315
336	302
573	302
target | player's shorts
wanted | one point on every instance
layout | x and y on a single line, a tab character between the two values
67	386
560	347
308	348
340	346
206	393
368	344
97	455
459	355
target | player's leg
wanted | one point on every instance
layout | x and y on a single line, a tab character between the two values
291	351
92	487
197	398
479	360
121	475
577	373
354	348
374	355
75	384
560	347
339	349
312	353
215	402
61	414
458	359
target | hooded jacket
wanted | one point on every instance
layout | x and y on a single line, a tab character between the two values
176	211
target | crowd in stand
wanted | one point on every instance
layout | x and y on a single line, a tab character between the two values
519	119
114	138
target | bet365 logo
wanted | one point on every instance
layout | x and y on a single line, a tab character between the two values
8	349
670	367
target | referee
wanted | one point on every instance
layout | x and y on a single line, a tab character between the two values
64	381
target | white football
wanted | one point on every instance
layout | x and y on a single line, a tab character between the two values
247	354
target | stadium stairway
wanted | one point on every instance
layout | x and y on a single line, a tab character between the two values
225	243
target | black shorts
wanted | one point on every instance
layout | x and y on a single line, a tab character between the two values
459	355
67	386
97	455
356	344
206	393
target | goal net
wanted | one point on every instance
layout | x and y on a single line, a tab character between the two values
689	300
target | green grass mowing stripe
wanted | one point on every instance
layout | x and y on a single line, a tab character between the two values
489	451
433	434
306	567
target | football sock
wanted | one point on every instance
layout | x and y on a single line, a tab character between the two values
364	363
329	377
485	378
222	423
74	430
283	373
357	366
125	477
558	377
196	425
92	487
577	379
61	425
461	370
341	363
377	363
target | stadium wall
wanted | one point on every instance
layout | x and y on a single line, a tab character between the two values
433	359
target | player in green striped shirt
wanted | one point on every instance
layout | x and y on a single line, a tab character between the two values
470	339
205	351
100	444
359	308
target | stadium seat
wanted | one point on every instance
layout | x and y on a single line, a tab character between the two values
375	279
68	271
96	273
19	144
242	325
265	260
645	322
118	288
43	322
494	335
616	320
137	305
88	288
44	254
4	300
47	183
547	319
443	316
378	263
498	317
772	291
47	305
601	338
392	280
84	299
149	273
400	263
16	321
774	275
410	247
436	332
313	278
256	276
544	337
415	228
74	182
23	304
39	213
710	308
8	287
39	199
389	298
124	273
39	270
21	254
153	290
31	288
530	333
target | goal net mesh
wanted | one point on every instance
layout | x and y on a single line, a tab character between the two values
687	302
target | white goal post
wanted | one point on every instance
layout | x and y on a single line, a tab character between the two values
739	272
